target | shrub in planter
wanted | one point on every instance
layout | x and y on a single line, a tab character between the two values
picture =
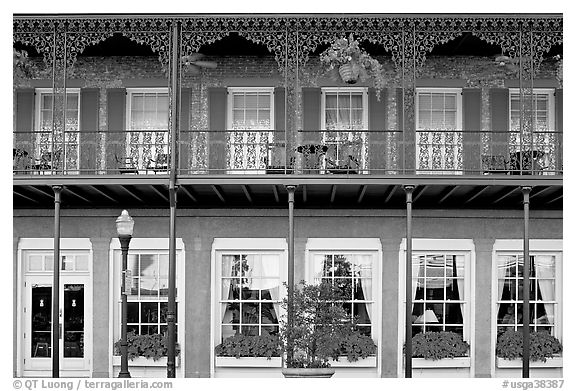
148	345
436	345
241	345
322	329
542	345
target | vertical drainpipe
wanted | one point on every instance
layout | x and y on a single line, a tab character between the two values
173	188
56	326
408	350
290	320
526	287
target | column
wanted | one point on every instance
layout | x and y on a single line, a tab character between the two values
101	265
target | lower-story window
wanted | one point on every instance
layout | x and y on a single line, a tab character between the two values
352	274
543	288
438	292
250	286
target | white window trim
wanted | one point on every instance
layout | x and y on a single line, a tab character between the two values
32	244
540	91
459	108
459	246
279	245
38	92
357	245
145	245
132	91
325	90
537	247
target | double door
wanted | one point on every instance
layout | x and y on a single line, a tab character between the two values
73	321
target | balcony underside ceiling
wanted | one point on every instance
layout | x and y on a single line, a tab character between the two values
331	192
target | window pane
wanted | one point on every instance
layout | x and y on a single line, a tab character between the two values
270	330
49	262
132	309
163	265
132	264
269	315
149	265
67	262
148	287
453	314
342	266
82	262
238	101
35	263
149	312
264	101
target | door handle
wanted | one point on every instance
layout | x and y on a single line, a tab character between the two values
59	330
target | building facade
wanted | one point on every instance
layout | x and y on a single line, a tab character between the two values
214	123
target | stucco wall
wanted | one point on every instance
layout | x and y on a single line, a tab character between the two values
198	228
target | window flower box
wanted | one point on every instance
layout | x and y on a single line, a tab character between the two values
456	362
142	361
554	362
243	362
368	362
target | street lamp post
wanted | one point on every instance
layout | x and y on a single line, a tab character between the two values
124	228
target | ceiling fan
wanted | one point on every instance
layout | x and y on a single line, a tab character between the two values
194	63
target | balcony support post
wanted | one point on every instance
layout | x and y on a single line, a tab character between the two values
290	320
409	189
526	284
173	189
56	326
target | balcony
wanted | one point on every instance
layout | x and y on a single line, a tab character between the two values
310	153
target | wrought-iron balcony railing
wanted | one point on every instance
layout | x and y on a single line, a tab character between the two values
256	152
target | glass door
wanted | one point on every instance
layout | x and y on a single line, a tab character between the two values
38	324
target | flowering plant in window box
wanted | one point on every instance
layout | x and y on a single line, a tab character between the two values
241	345
542	345
321	329
353	63
152	346
438	345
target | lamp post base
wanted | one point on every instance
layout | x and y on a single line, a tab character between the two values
124	374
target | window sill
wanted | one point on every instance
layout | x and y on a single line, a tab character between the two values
145	362
554	362
368	362
457	362
261	362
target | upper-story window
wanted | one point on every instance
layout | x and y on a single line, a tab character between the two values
344	120
147	126
439	130
537	125
55	148
250	120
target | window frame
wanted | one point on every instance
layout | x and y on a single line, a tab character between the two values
240	245
145	246
537	247
38	150
457	131
450	247
549	92
357	246
139	160
245	145
365	119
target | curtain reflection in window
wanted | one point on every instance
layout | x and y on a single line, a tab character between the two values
250	294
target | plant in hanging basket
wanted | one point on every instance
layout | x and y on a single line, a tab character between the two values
353	62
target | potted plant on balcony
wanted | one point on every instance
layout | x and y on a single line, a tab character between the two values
543	346
353	63
321	331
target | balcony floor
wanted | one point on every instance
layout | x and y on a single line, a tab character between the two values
269	191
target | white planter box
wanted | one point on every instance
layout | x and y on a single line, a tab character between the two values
261	362
368	362
457	362
145	362
554	362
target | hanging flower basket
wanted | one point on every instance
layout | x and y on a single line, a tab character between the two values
349	73
353	63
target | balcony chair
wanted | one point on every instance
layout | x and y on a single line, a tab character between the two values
160	164
340	159
126	164
530	162
495	164
21	162
276	162
48	161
